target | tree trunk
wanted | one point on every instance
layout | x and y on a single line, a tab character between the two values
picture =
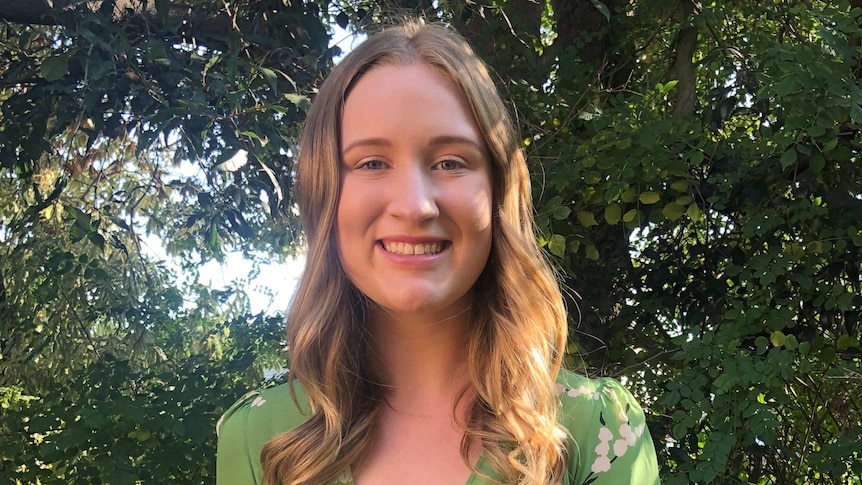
579	21
683	65
504	38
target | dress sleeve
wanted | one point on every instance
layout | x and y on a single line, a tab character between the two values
234	463
611	444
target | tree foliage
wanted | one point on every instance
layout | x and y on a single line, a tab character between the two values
121	129
696	173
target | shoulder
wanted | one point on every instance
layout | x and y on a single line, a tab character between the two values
579	393
274	405
609	439
251	422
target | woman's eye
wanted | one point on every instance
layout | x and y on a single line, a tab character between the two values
450	165
373	165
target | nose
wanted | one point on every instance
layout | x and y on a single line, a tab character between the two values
413	195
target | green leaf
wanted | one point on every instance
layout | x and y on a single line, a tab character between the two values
788	158
856	114
254	136
724	382
213	60
818	162
667	87
693	212
679	431
845	342
828	355
613	214
213	239
630	215
603	9
300	101
557	245
587	219
842	153
649	197
270	77
777	338
24	39
673	211
592	253
761	343
139	435
55	67
786	86
679	185
97	239
561	212
78	215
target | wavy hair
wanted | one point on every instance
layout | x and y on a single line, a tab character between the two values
517	335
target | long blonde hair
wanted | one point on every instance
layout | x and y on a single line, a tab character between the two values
517	333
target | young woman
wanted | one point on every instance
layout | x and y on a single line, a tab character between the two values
427	332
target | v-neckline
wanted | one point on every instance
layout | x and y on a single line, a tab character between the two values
471	480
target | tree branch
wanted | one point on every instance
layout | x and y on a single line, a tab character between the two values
41	12
683	66
44	12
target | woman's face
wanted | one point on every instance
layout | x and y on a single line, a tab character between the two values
414	212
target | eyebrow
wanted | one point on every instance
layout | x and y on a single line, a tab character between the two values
374	142
455	139
437	140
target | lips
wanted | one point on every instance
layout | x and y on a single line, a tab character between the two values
411	249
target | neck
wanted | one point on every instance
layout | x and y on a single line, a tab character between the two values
421	360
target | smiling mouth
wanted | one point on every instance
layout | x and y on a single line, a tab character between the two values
413	249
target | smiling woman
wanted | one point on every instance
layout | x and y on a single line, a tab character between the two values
427	335
415	174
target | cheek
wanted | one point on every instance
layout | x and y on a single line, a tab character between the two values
346	218
349	211
355	218
482	212
478	218
481	206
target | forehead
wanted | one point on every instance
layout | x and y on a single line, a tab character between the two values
406	95
388	73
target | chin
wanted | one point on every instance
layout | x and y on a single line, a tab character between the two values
423	305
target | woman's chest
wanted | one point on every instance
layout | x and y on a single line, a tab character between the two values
416	450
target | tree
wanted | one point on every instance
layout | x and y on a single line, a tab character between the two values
119	127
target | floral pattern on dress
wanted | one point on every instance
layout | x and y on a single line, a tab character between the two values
238	404
613	441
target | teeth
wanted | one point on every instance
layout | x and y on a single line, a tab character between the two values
405	248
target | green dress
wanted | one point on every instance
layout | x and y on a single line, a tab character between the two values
609	443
